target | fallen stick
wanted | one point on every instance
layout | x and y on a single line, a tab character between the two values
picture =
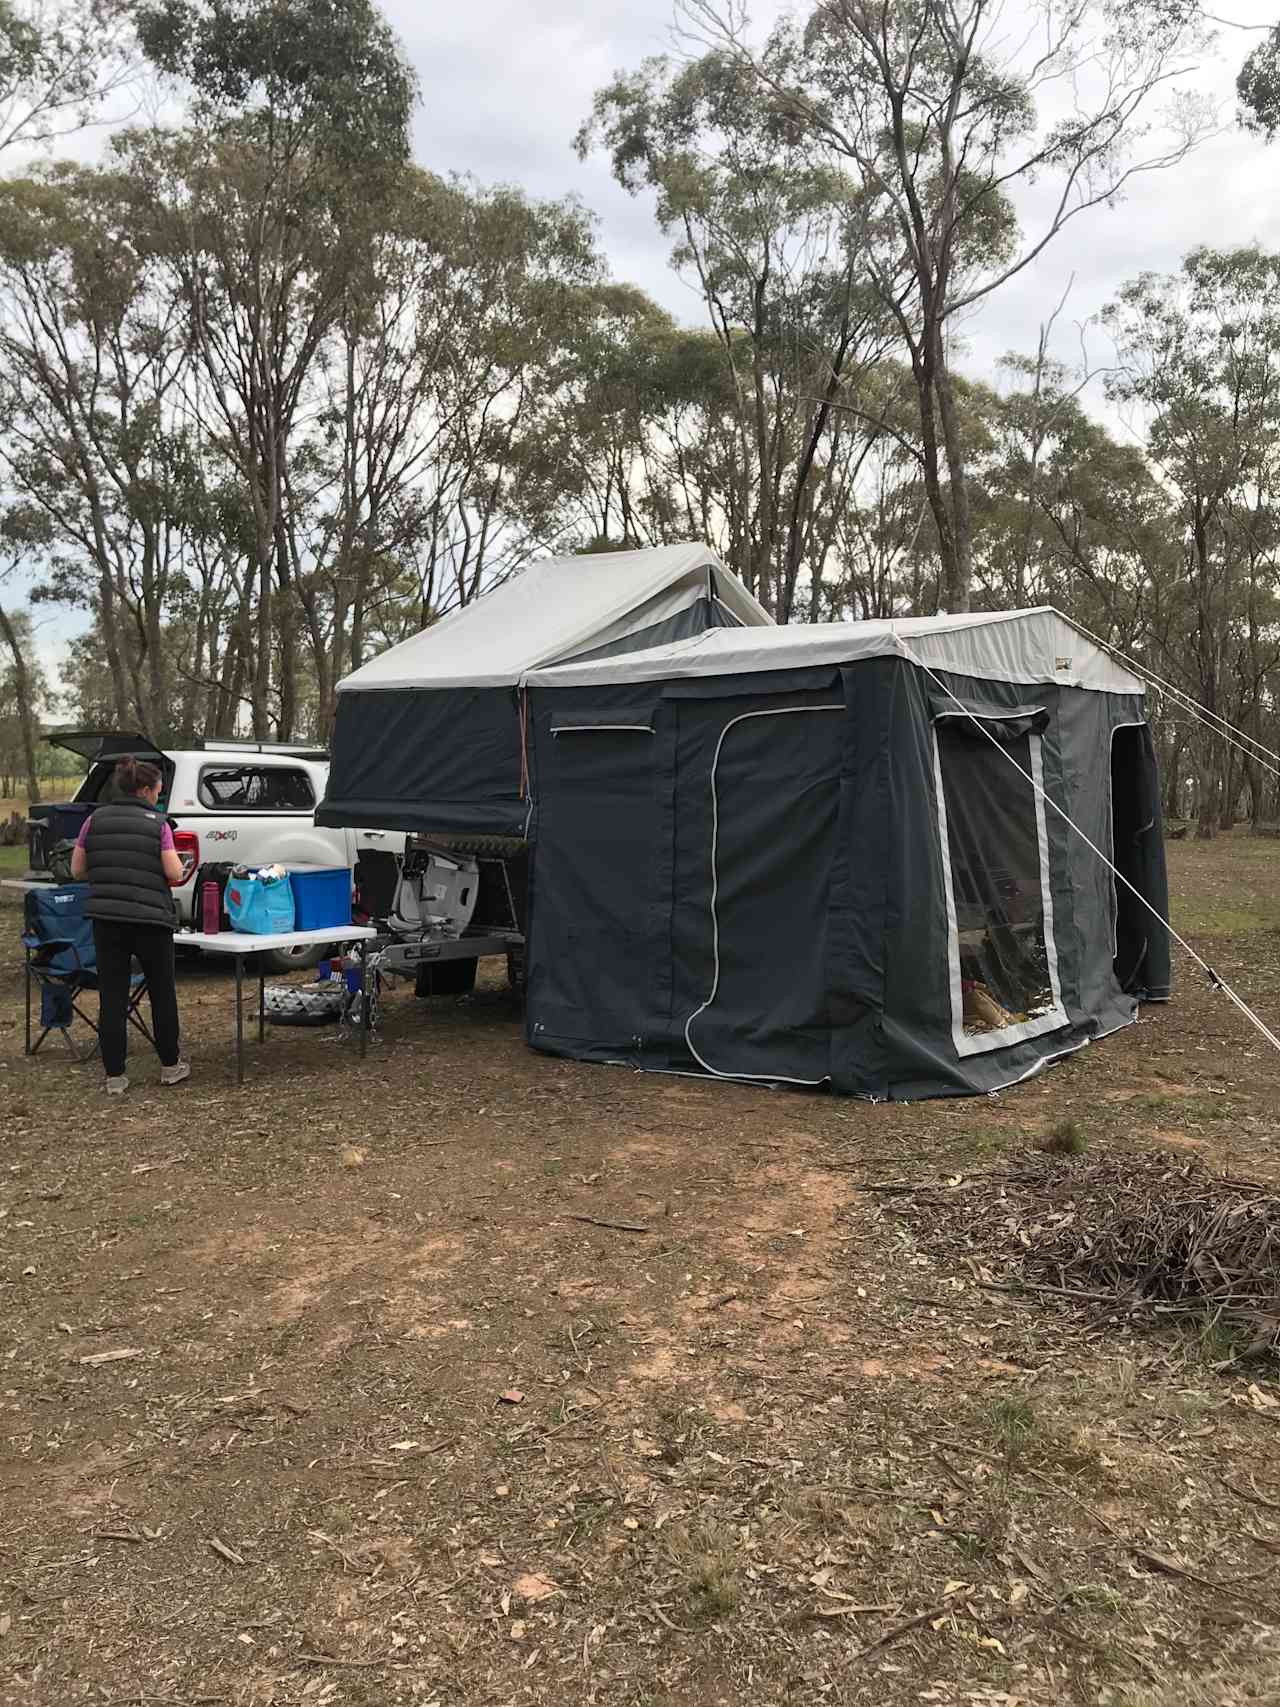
1253	1498
329	1660
904	1629
840	1611
617	1226
1170	1568
1117	1300
953	1475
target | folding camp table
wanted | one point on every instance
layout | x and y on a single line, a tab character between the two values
242	946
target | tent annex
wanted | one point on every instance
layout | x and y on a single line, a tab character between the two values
839	855
427	735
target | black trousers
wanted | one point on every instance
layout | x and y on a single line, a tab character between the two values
116	945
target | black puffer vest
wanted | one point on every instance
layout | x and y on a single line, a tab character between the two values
126	877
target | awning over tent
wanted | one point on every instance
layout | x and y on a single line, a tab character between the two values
427	735
1027	646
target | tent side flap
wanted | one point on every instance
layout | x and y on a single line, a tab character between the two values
442	759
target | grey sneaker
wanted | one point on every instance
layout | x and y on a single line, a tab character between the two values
176	1074
118	1086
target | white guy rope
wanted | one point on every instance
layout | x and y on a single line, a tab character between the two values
1217	982
1227	730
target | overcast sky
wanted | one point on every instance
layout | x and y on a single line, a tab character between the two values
506	83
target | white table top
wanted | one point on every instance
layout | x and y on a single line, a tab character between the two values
25	883
243	942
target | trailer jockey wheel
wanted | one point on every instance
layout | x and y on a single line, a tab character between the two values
445	978
516	970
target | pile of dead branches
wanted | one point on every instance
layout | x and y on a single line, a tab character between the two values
1137	1233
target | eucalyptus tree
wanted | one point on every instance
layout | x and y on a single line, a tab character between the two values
943	112
1199	364
263	207
774	241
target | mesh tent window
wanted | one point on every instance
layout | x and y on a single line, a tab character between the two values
996	878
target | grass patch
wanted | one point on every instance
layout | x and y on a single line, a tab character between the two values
989	1143
1065	1138
1093	1597
1013	1427
708	1569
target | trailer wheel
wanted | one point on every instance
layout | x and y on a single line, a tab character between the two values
445	978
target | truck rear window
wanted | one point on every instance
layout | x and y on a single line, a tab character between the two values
255	788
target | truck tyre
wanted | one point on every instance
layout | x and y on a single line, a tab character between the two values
445	978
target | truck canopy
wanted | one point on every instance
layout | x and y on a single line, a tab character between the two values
95	745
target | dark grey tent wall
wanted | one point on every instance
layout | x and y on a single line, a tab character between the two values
816	947
422	759
448	759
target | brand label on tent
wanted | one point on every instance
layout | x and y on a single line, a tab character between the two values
1062	663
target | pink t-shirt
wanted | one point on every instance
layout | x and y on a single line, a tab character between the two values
166	835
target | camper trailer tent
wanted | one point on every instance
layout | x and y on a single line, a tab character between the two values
427	735
830	855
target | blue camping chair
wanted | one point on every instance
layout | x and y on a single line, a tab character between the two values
61	964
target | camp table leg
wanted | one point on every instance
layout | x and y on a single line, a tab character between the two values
239	1019
262	1002
366	997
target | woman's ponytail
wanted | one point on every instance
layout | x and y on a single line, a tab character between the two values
133	775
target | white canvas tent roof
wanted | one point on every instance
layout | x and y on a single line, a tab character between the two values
1028	646
553	610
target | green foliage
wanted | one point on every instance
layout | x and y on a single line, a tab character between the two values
1258	87
59	61
327	71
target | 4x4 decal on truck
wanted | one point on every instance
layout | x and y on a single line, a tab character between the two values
221	835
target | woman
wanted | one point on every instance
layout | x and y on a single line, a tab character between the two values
126	852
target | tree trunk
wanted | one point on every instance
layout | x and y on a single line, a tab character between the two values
1207	808
26	711
1230	793
958	575
938	506
1173	782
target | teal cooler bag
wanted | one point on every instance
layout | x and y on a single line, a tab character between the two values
258	908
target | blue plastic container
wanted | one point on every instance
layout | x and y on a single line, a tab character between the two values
321	898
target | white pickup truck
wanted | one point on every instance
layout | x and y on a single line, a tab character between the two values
242	802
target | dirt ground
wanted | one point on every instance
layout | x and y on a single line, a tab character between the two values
468	1376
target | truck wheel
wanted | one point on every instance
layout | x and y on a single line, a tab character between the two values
445	978
299	959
